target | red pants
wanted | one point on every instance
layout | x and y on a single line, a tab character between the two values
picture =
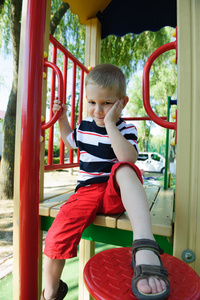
80	211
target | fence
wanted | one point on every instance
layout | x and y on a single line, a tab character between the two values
72	92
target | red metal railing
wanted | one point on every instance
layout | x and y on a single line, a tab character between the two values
56	116
78	72
146	86
69	87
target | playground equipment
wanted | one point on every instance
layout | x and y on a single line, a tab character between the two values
147	105
78	73
167	176
145	85
109	228
27	159
99	279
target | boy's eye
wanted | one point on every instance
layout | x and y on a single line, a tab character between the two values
108	103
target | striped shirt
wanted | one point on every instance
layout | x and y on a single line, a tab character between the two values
96	154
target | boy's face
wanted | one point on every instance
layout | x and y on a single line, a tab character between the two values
100	100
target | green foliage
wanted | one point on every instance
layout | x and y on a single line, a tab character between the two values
70	33
56	151
158	143
163	83
129	53
56	160
1	125
5	27
132	50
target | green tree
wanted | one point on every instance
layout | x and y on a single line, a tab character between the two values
135	108
132	50
163	83
10	16
14	9
129	51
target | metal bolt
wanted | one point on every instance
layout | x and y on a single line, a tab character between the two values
188	256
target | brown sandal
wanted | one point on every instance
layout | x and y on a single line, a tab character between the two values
144	271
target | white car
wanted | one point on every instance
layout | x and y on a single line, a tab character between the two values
151	162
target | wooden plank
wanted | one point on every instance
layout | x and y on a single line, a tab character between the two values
46	206
54	210
86	251
50	192
160	200
162	213
151	192
106	221
123	221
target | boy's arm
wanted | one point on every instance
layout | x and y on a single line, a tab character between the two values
123	149
65	128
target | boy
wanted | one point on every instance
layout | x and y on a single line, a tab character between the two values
109	183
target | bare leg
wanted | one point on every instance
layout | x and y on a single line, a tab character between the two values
136	204
52	273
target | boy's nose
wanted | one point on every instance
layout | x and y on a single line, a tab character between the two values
98	109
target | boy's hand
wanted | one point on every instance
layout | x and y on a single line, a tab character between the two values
57	107
114	113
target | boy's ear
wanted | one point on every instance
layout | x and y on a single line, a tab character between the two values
125	100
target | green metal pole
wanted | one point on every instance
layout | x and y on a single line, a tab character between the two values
167	147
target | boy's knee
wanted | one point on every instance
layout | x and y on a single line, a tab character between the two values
126	171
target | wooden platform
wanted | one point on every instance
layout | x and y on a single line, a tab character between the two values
160	206
113	229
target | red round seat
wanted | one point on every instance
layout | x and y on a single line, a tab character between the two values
108	276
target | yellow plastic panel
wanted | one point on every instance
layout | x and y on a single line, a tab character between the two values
87	9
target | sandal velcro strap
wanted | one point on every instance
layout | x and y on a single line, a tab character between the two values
146	244
142	271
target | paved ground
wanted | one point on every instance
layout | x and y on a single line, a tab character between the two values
52	180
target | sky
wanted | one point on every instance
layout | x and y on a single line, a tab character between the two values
5	80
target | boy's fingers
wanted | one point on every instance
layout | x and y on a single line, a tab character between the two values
56	101
56	107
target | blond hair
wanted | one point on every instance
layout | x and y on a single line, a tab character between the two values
108	76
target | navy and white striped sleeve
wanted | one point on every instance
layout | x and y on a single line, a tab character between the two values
129	131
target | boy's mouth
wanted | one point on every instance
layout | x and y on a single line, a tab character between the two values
99	118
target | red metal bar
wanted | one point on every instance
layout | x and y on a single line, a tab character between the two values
65	51
146	96
65	67
80	115
67	55
59	166
81	97
51	129
30	149
56	116
83	70
73	107
62	146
